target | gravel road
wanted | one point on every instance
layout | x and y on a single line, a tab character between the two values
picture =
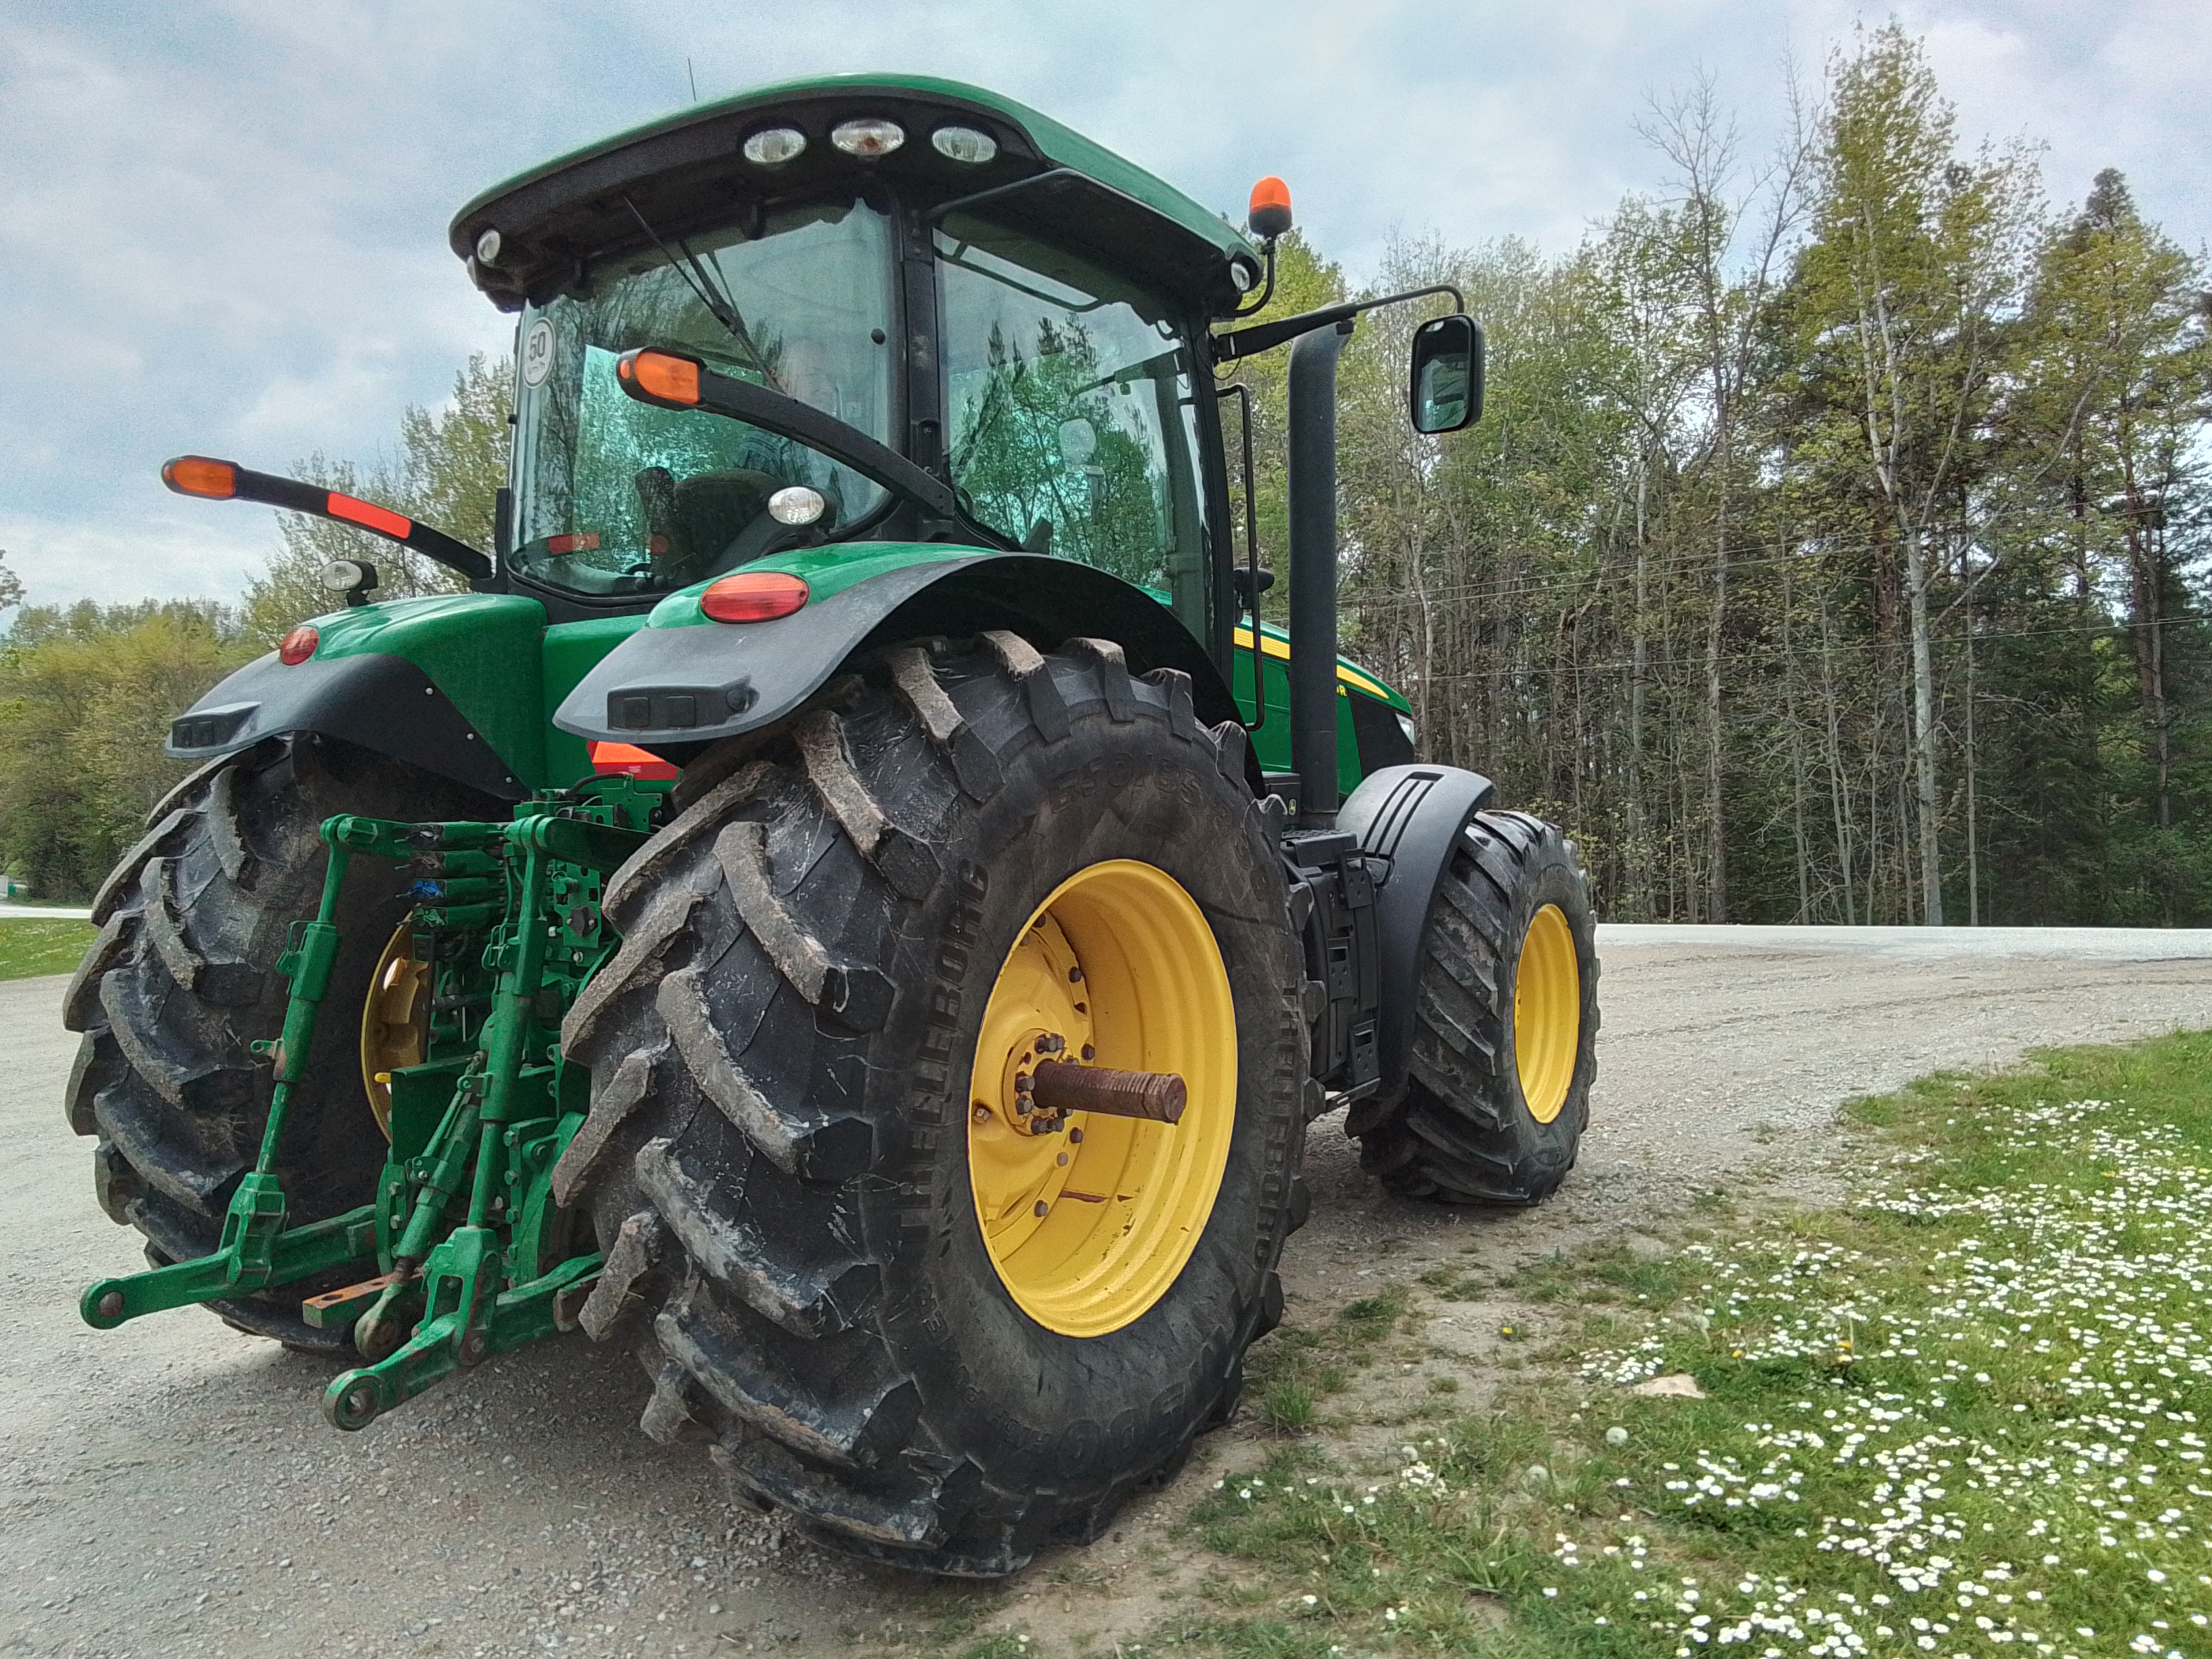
169	1488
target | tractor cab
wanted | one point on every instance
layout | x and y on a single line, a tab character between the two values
1006	305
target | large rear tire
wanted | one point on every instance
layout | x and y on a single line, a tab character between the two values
183	977
1505	1026
940	1341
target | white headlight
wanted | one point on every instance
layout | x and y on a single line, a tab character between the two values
342	575
772	147
487	248
869	136
796	504
963	144
1405	725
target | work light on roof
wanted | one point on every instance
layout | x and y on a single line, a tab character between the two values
868	136
963	144
488	246
771	146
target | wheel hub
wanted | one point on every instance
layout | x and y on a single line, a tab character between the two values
1089	1216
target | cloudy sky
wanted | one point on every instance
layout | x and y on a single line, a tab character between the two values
223	225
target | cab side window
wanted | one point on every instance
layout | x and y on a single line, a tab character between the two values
1069	401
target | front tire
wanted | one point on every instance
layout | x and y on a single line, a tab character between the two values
835	1265
1505	1026
182	978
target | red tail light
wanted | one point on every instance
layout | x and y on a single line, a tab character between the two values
298	646
754	595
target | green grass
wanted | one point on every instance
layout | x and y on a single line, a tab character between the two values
1964	1414
30	945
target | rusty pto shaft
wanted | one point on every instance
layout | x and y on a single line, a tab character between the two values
1063	1087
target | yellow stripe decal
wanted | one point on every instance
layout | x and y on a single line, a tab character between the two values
1280	649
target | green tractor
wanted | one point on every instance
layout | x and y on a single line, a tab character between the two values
853	902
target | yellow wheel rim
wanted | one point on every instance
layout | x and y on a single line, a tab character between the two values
395	1021
1089	1227
1547	1014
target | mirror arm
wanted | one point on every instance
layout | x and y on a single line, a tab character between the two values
319	501
756	405
1264	336
1267	289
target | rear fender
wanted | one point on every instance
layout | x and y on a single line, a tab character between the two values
451	683
380	701
672	688
1409	819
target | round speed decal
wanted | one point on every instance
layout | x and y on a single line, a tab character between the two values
537	353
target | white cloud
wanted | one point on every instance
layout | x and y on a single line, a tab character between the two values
222	222
198	551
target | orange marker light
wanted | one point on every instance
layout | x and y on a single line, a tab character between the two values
660	375
196	475
1270	213
754	595
370	516
298	646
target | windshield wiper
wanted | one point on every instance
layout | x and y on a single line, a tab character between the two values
702	282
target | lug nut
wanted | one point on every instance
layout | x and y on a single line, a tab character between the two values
1089	1053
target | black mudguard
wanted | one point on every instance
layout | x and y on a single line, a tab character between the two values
1409	819
671	689
380	701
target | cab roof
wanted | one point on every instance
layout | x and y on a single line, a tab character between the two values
687	168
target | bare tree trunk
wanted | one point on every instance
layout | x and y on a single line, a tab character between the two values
1796	740
1973	815
1639	858
1715	752
1839	800
1923	724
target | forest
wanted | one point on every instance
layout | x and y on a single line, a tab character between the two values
1833	547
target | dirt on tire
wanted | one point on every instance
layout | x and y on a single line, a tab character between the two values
776	1154
182	978
1462	1132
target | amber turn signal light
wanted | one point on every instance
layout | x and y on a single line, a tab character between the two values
196	475
661	375
1269	216
754	595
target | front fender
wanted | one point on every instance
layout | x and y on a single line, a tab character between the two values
1410	817
696	681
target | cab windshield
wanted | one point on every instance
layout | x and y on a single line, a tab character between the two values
617	497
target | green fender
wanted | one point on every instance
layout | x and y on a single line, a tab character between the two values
462	684
685	680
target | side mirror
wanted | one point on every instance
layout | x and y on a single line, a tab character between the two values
1446	379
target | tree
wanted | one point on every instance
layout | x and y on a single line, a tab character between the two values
1901	297
451	465
86	697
